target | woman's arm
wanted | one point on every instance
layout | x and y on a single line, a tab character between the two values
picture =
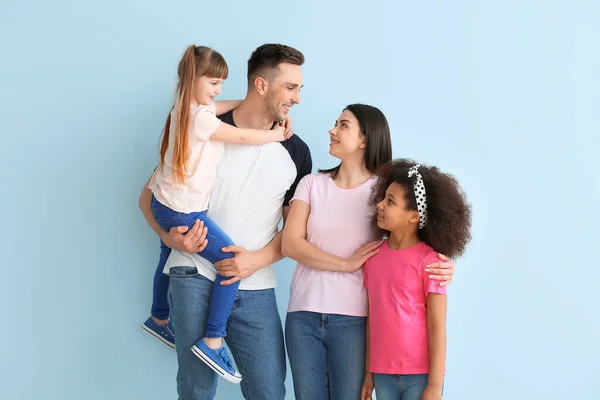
224	106
294	245
437	305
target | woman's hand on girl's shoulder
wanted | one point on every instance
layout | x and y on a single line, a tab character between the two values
358	259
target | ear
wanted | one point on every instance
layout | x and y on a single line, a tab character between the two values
363	143
414	217
261	85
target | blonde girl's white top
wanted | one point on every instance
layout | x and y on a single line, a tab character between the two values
204	156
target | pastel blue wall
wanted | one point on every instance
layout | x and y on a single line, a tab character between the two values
506	95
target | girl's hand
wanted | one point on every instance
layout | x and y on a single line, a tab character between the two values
367	388
287	124
279	132
432	393
357	260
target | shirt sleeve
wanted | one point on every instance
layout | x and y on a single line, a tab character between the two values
303	189
303	161
431	285
205	123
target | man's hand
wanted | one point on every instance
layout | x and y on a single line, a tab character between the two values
189	241
443	271
241	266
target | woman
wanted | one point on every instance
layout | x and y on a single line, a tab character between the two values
329	233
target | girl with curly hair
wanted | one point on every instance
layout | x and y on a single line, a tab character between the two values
422	212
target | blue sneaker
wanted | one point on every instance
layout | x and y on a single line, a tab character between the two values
218	360
164	333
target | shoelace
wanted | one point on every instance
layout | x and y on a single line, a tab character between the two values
225	357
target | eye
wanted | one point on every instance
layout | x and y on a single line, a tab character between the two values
390	201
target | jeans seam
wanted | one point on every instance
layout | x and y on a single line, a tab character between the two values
236	355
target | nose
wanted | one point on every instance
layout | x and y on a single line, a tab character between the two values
296	98
218	89
380	205
332	132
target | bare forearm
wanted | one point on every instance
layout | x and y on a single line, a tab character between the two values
271	253
436	333
305	253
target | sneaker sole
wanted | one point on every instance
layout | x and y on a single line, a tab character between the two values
157	336
224	374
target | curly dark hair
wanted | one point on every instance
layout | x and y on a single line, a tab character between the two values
268	57
448	228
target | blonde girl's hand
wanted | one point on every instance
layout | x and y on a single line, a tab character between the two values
287	124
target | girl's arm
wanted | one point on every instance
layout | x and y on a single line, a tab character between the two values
224	106
231	134
437	305
294	245
368	384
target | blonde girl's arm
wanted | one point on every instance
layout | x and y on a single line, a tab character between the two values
231	134
205	126
224	106
437	305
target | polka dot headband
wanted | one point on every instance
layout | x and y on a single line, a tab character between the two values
419	195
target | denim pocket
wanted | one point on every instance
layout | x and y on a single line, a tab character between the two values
183	272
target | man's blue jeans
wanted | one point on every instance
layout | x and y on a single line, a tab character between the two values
327	355
222	296
254	336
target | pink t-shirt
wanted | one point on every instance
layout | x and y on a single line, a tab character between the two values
204	156
339	223
397	287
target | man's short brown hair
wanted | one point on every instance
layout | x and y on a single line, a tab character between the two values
267	58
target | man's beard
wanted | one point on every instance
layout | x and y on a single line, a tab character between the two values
272	110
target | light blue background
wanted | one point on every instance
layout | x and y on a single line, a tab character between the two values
506	95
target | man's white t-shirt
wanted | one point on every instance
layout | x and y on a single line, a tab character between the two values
252	185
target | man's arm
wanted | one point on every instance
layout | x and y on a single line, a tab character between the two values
442	271
271	253
192	242
245	262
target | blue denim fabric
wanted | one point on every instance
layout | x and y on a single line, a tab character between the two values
327	355
254	337
222	296
400	387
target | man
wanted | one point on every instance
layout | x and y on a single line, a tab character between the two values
251	193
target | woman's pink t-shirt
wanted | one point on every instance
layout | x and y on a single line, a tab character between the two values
397	288
340	222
